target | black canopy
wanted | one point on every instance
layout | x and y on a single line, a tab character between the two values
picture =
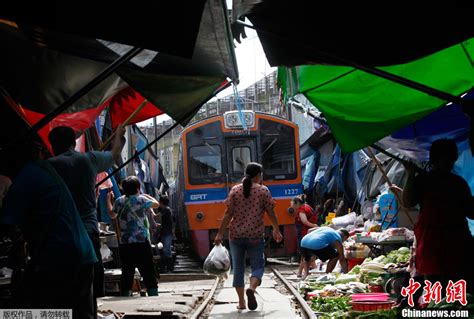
166	26
303	32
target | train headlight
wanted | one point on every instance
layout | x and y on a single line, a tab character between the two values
200	216
291	211
232	119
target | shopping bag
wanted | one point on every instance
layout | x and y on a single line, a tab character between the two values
218	261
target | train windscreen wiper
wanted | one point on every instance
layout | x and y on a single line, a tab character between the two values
271	144
210	146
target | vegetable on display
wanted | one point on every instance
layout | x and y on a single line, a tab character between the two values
387	314
399	256
331	305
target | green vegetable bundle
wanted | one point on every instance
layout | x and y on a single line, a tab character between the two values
400	256
331	305
389	314
343	279
316	286
370	277
355	270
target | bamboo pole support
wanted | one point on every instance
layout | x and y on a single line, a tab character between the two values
387	180
127	121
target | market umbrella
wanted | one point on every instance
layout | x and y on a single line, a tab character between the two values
362	108
124	103
122	107
42	68
415	139
165	26
299	32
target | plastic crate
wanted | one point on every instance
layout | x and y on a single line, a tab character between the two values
372	305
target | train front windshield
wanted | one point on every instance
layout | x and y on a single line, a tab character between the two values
278	154
215	158
205	164
240	152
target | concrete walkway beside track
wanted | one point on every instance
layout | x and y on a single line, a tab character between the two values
271	303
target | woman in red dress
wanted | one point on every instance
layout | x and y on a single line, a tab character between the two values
304	213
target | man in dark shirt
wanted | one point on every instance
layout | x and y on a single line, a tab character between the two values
442	233
59	273
166	233
79	171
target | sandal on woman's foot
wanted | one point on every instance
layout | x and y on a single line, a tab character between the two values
251	301
240	309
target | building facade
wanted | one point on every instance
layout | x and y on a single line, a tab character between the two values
262	96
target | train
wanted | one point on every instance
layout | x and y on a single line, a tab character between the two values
213	154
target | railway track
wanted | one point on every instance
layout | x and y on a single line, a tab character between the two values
281	276
306	310
189	293
284	274
202	307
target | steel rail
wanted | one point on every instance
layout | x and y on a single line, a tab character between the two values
206	301
307	311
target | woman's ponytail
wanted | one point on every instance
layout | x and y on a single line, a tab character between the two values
252	170
247	183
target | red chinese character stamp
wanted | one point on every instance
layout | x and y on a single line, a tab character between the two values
409	291
456	292
432	292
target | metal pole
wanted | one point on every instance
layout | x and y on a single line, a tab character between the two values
130	168
85	89
127	121
156	133
290	110
378	72
338	175
381	150
139	152
387	180
172	154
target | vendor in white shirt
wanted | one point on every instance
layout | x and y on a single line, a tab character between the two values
326	244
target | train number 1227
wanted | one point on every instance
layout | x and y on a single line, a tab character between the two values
292	191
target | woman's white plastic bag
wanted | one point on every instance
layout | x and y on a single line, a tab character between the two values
217	262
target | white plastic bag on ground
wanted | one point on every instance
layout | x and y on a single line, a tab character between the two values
217	262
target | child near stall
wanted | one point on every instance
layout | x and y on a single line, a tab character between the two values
304	213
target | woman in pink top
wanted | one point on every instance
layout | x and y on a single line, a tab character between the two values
246	205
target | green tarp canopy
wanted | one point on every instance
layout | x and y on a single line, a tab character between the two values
362	108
